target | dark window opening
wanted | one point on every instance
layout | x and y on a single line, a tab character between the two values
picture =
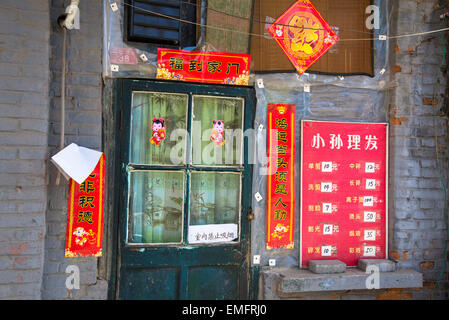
159	22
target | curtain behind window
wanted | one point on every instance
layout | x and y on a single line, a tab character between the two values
346	57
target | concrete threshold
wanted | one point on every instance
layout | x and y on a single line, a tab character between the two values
299	280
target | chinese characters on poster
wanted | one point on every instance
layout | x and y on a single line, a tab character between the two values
203	66
85	215
343	191
280	177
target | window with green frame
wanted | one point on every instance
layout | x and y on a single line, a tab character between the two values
186	179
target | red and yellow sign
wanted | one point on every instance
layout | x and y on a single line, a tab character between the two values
303	34
85	216
344	210
281	175
203	66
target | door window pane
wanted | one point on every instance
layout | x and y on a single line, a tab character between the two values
154	118
214	198
156	203
217	131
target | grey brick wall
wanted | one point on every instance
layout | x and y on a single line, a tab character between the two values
417	225
33	210
24	73
416	189
83	126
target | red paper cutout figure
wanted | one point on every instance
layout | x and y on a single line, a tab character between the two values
217	133
81	236
158	131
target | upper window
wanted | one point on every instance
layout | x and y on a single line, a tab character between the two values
346	17
185	167
157	21
229	25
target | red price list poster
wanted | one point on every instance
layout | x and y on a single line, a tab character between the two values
343	191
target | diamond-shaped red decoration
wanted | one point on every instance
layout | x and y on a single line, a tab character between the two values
303	34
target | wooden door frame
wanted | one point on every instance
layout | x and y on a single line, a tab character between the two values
123	87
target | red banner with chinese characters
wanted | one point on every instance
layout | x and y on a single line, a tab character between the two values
281	176
203	66
303	34
85	215
343	191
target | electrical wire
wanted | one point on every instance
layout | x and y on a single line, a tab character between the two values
262	35
265	22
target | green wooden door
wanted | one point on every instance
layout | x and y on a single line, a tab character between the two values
184	199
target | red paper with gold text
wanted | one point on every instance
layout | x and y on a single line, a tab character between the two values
343	191
303	34
280	176
203	66
85	215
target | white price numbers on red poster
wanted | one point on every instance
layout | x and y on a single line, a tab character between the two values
326	166
326	186
327	229
326	251
369	167
369	251
327	207
369	216
368	201
369	235
370	184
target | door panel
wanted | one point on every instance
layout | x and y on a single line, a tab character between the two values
154	284
213	283
209	113
214	198
155	206
162	200
146	106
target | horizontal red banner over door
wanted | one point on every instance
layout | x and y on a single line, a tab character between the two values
203	66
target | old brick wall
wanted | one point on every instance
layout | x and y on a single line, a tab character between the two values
83	127
24	73
418	150
33	210
419	143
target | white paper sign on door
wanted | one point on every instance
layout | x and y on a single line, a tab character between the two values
212	233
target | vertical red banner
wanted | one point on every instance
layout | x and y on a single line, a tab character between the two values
281	176
343	191
85	215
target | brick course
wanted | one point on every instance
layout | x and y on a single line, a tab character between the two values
33	209
415	227
24	75
83	126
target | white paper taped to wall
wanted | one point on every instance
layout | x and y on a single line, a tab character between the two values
76	162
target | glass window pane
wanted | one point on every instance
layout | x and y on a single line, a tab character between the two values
154	118
217	131
156	205
214	200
